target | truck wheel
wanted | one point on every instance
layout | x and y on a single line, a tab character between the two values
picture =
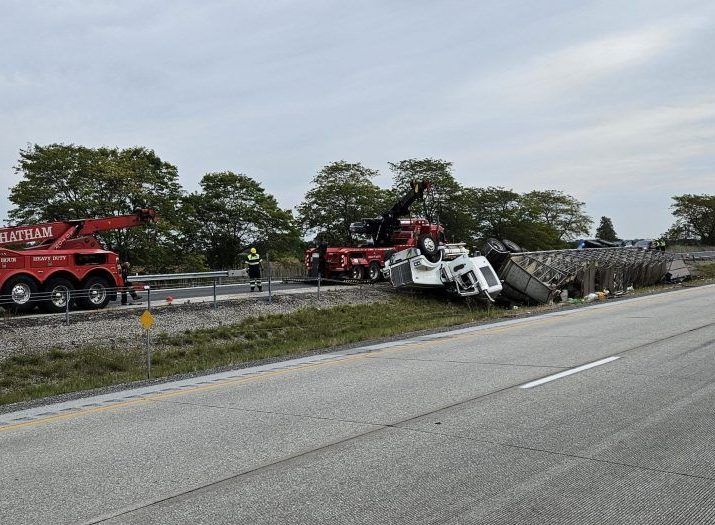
374	272
428	247
496	253
512	246
95	293
58	289
494	245
18	294
357	272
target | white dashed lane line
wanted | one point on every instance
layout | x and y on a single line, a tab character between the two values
569	372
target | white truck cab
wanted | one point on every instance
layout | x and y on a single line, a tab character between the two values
454	270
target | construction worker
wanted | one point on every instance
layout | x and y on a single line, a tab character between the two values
127	286
254	270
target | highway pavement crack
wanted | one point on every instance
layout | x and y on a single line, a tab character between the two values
272	412
233	477
554	452
666	338
465	362
399	425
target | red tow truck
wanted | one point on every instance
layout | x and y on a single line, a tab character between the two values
385	235
44	264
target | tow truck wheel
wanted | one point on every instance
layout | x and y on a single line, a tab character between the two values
374	272
95	293
59	289
428	247
17	294
357	272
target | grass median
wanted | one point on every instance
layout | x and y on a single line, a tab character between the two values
37	375
707	270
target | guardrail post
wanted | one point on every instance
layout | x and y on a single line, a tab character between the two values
148	355
214	293
148	337
67	307
270	292
318	286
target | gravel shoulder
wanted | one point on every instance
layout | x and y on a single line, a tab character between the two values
121	329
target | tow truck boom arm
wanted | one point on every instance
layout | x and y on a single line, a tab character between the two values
402	206
381	228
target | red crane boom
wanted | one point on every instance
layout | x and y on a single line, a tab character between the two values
61	231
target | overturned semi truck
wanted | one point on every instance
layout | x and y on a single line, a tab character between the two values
517	276
451	269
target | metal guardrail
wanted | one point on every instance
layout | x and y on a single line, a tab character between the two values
695	256
213	276
63	299
215	279
186	276
151	283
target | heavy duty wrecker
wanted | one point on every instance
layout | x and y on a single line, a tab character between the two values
44	264
387	234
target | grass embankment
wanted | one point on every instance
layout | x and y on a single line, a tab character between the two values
706	270
56	372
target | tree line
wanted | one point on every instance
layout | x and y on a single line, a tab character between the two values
214	226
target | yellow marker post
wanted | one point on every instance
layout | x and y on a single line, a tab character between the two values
147	321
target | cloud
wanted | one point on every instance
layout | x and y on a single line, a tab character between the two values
655	147
589	97
552	74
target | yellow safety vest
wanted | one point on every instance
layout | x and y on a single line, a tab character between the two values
253	259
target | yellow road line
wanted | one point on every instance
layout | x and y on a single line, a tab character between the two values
150	396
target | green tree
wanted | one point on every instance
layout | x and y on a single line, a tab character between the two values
696	213
559	211
62	181
679	232
444	201
341	193
233	212
500	213
605	230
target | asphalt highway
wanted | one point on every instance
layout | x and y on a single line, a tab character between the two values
595	415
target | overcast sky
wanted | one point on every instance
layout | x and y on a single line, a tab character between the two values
610	101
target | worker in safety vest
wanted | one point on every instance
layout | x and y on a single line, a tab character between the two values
254	270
